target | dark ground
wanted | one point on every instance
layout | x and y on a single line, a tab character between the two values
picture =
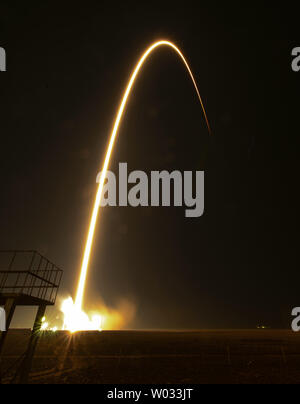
245	356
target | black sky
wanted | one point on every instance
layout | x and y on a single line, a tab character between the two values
66	69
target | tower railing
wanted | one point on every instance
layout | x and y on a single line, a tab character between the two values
28	277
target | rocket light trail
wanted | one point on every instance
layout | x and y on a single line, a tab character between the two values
93	221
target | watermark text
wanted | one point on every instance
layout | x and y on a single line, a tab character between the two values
161	188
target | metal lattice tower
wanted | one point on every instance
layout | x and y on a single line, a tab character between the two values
27	279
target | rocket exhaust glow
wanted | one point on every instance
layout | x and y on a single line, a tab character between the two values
94	216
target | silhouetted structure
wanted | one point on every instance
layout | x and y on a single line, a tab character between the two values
27	279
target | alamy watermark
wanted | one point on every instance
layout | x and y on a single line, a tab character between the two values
296	321
2	319
2	60
188	189
296	60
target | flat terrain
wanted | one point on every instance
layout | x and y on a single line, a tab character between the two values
232	356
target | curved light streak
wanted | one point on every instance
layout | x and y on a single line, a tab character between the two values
93	220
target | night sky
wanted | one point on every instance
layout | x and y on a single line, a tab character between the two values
67	66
